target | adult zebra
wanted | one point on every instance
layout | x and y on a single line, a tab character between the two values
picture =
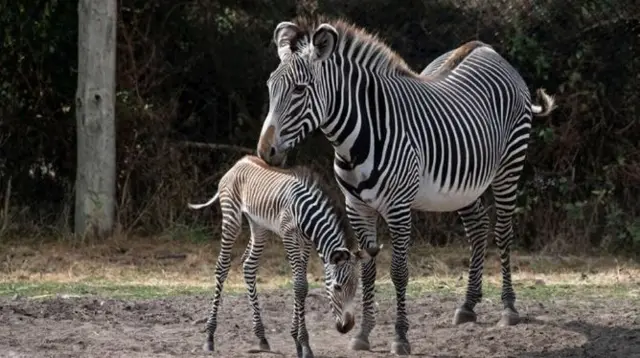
431	142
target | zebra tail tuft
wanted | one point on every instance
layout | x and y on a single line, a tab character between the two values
547	105
200	206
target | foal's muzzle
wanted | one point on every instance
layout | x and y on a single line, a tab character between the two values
348	322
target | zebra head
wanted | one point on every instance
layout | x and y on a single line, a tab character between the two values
342	277
296	105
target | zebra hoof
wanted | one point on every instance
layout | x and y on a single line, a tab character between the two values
264	345
510	317
359	344
464	315
306	352
208	346
401	348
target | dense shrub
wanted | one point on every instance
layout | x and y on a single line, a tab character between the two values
196	70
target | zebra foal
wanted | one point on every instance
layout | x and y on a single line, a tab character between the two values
292	204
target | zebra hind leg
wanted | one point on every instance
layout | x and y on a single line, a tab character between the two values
231	225
504	192
251	260
476	225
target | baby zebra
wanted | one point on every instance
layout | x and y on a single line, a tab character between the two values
292	204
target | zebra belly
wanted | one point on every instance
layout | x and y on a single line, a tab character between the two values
432	197
264	222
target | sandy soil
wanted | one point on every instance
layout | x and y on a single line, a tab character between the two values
96	327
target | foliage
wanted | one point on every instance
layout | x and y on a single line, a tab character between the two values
196	71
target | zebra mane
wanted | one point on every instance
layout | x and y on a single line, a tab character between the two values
312	179
353	37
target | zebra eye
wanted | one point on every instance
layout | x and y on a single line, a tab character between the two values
337	288
299	89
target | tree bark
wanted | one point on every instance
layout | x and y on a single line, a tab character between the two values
95	119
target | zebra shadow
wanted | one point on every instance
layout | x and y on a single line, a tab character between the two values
601	341
376	351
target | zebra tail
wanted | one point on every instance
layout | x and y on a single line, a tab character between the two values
200	206
547	105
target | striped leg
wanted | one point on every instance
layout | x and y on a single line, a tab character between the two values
245	254
504	192
231	226
476	224
363	221
298	258
250	266
399	222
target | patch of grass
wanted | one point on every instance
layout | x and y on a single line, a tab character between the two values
162	266
527	291
118	290
51	289
385	290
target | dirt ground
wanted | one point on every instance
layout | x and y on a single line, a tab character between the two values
95	327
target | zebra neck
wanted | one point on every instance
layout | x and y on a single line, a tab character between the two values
319	223
326	239
359	105
325	251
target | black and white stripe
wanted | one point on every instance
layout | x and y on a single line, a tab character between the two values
433	141
291	204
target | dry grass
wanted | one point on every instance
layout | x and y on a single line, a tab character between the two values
168	262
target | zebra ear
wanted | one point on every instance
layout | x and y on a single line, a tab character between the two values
283	35
324	42
368	253
339	256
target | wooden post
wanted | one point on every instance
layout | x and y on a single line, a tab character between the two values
95	117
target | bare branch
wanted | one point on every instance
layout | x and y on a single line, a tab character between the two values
216	146
3	139
7	199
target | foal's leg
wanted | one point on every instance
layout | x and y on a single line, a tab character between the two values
231	225
250	265
298	258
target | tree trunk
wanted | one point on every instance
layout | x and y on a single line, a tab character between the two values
95	117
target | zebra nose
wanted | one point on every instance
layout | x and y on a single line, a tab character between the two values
267	153
270	155
347	325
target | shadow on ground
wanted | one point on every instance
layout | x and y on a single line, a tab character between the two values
608	340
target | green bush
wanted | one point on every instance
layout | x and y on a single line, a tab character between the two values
196	71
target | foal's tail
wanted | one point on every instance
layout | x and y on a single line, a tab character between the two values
200	206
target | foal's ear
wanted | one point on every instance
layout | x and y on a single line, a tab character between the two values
367	253
339	256
324	42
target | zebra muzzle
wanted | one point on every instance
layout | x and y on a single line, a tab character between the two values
348	322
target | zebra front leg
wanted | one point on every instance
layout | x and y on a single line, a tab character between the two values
399	222
504	193
476	225
298	257
363	221
250	266
230	230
